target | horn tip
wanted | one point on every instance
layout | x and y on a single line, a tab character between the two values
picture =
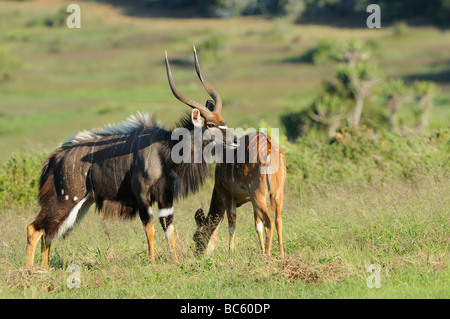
195	50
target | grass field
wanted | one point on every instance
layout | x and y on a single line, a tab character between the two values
331	236
69	80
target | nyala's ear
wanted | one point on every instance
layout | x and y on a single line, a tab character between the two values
197	118
200	217
210	105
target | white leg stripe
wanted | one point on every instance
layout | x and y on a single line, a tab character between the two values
165	212
232	230
167	234
150	211
73	218
169	231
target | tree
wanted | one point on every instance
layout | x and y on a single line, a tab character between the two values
425	93
357	74
296	123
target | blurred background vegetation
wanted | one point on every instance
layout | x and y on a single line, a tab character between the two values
339	92
422	11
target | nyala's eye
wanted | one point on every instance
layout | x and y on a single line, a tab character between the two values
210	125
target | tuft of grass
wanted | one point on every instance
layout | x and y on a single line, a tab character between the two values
19	179
362	200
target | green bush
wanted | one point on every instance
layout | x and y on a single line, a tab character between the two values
316	10
228	8
400	28
325	51
57	20
361	155
296	123
8	64
214	47
355	154
19	179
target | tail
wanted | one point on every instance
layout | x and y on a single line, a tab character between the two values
275	182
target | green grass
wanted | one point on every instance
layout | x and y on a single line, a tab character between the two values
115	61
331	236
338	219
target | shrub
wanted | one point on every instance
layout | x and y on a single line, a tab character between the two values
8	64
355	154
400	28
229	8
323	52
214	46
296	123
359	154
19	179
329	110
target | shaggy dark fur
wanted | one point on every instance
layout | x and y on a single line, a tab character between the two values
125	173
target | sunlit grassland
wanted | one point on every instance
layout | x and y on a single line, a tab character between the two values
331	234
70	80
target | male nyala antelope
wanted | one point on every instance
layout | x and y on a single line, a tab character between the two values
124	169
261	173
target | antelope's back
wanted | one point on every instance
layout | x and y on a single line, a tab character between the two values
262	149
256	151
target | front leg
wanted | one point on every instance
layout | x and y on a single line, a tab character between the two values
165	216
231	215
146	214
45	251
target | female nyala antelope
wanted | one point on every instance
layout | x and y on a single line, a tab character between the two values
262	172
124	169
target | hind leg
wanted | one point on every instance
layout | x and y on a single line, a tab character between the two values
231	214
146	214
51	225
33	236
165	215
259	231
165	198
262	214
150	232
